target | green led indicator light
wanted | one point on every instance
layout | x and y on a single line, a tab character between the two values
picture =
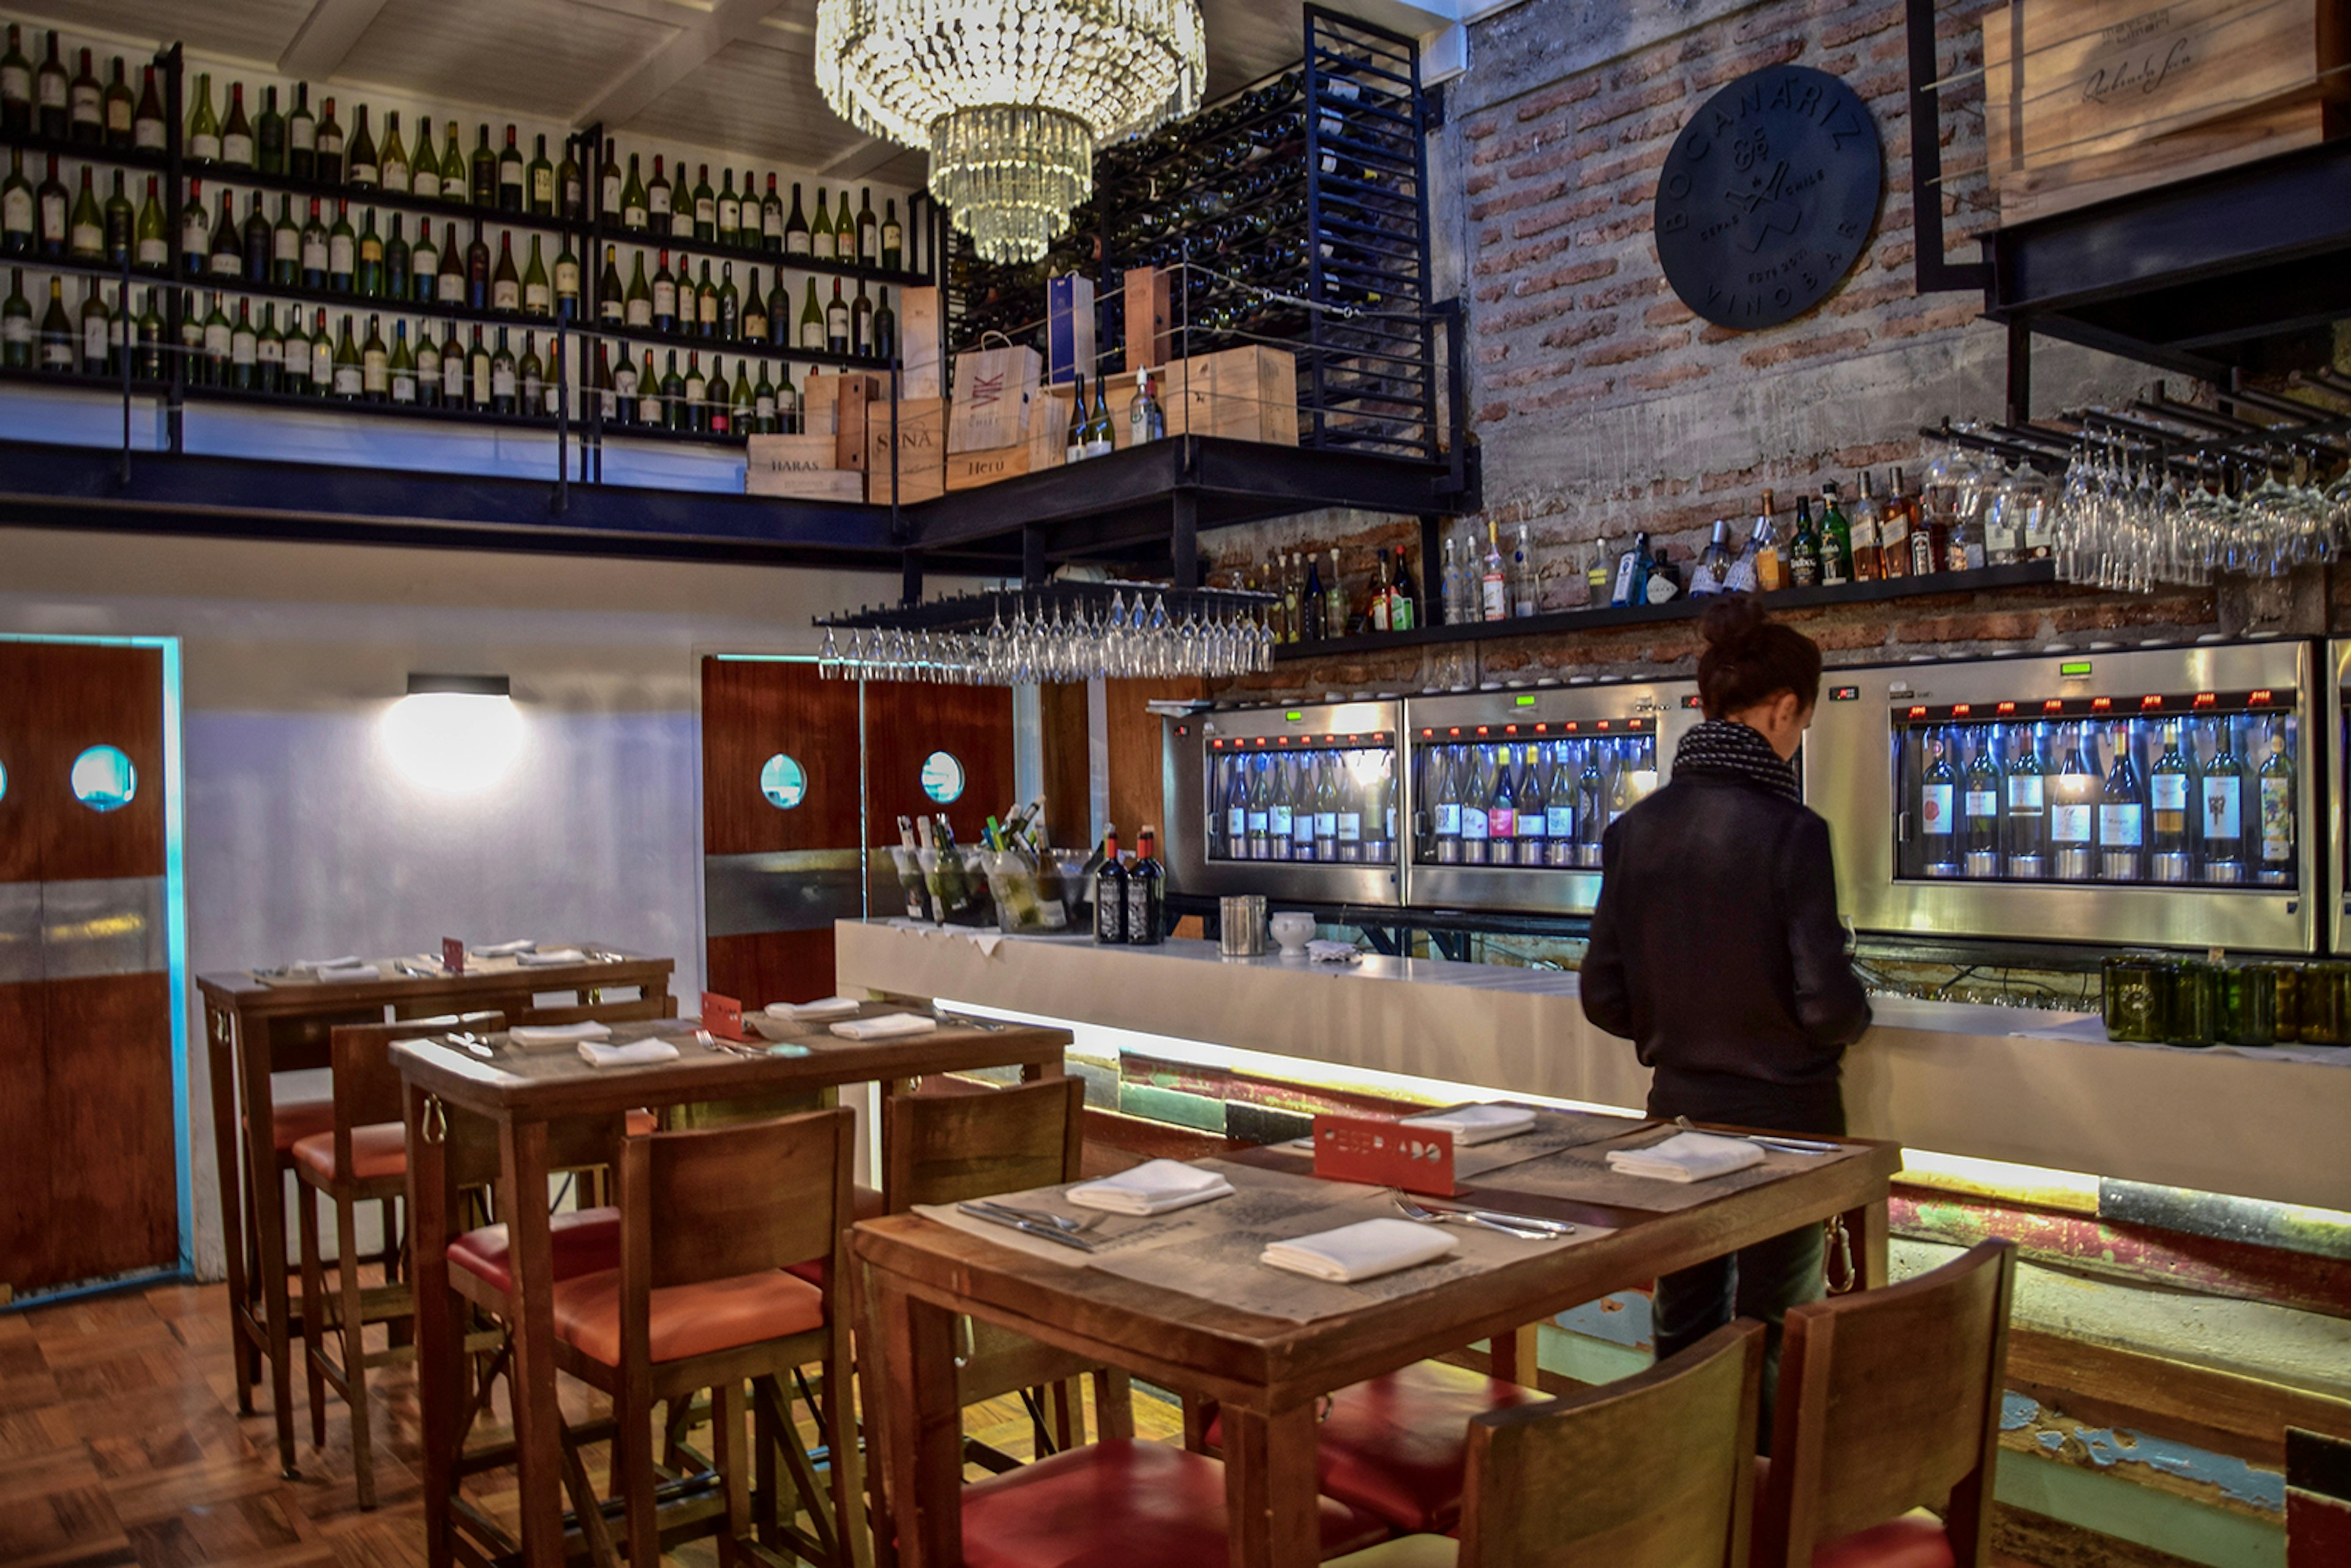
1297	717
2074	669
1526	702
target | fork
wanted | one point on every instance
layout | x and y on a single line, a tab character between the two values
1526	1231
1062	1222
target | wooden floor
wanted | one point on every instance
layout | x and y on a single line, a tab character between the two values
119	1443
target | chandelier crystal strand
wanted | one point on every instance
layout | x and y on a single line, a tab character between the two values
1009	97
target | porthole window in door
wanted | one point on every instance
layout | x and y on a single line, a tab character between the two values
103	779
782	781
943	778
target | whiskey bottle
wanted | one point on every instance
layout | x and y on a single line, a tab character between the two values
1836	539
1894	547
1803	549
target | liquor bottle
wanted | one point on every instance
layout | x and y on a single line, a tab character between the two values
1772	571
15	86
1502	813
363	165
1930	538
2028	809
1404	611
1894	547
1110	894
539	179
301	136
2276	785
1493	581
375	365
1862	534
203	144
86	227
1100	439
2073	810
836	321
342	249
1526	579
2172	852
1632	586
2221	815
821	233
1335	600
1477	827
1804	548
1147	893
1979	808
58	348
96	325
894	237
513	188
1303	799
1376	608
395	172
367	278
16	208
2122	815
16	311
1259	821
1711	571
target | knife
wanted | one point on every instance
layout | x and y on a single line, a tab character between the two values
1026	1227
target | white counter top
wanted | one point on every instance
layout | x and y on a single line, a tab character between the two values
1948	1077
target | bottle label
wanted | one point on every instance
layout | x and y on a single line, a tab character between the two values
453	378
424	181
1559	823
1494	597
1110	908
93	339
1449	818
302	133
1277	824
506	296
566	280
451	288
2024	792
239	150
148	135
2221	796
17	329
1237	822
284	245
542	187
636	217
1326	824
535	298
1983	802
705	209
339	254
53	91
1138	909
375	372
821	246
204	149
680	223
2277	820
17	211
812	337
502	380
269	351
1256	823
1302	828
797	243
16	83
1935	809
1350	827
346	381
1473	825
297	354
2118	826
2170	791
641	311
1501	822
1532	824
87	239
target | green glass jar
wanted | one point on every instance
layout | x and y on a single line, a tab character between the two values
2135	994
2322	998
2247	995
2191	1016
2289	1000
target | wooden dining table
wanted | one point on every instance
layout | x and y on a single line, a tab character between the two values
260	1023
1264	1376
526	1092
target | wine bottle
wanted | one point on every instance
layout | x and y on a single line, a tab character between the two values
328	148
504	384
367	275
1111	907
1502	813
635	210
342	247
660	199
894	237
1146	891
1477	798
17	208
836	321
1073	447
1100	437
755	328
664	297
118	109
530	377
566	281
284	245
706	306
698	395
649	392
395	172
294	355
681	203
539	176
2028	807
678	412
259	240
269	131
302	138
1979	808
116	219
2222	816
2275	783
50	93
787	404
611	298
885	330
203	144
58	347
728	302
820	235
375	363
505	283
2122	814
363	166
719	398
400	367
611	190
729	220
512	181
771	218
797	239
96	322
812	324
482	170
269	353
2169	818
398	264
637	309
455	286
16	114
869	229
861	323
538	294
84	106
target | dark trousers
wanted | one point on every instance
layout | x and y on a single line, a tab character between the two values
1758	1282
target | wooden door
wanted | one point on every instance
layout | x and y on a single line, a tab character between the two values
781	824
88	1177
968	731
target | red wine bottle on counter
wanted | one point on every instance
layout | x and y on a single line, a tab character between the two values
1146	886
1110	894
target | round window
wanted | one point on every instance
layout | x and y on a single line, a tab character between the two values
942	777
782	782
103	779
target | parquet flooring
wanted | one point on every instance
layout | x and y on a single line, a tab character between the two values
120	1444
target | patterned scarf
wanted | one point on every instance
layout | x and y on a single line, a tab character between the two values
1720	748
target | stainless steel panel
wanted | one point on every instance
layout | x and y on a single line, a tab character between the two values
107	925
1184	785
1849	779
1547	889
20	931
792	890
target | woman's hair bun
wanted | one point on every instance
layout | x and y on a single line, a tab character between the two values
1731	619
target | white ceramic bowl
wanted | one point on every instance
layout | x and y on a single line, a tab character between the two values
1291	929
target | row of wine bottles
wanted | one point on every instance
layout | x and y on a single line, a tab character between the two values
1544	804
246	353
301	145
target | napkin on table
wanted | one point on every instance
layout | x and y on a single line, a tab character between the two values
351	971
1154	1187
1687	1157
1364	1250
801	1012
530	1034
889	1026
1321	951
1475	1123
559	956
506	949
636	1053
348	961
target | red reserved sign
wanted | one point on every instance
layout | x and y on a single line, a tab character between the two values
723	1016
1384	1153
453	954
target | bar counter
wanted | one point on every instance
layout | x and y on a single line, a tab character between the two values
1941	1077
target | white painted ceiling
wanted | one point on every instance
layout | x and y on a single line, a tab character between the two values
734	75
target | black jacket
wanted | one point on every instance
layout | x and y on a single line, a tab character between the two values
1716	950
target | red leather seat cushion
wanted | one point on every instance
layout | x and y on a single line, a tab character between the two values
381	1150
1120	1504
865	1203
293	1120
583	1243
639	1123
688	1320
1396	1446
1913	1541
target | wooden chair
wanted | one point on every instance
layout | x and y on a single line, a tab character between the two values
1889	1404
1653	1471
642	1010
361	1157
709	1220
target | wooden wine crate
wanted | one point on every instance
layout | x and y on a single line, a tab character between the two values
2088	99
798	465
1041	450
1150	316
856	395
1243	394
920	374
922	451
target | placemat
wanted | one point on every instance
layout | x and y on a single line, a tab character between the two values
1552	1132
1581	1175
1210	1250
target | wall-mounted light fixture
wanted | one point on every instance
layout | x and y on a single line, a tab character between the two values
455	735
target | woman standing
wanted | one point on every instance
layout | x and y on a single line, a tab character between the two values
1716	949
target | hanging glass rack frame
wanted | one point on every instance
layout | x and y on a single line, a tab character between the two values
1053	632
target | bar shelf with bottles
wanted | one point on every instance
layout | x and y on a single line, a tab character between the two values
1311	794
2159	797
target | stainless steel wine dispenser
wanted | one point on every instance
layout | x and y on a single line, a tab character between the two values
1624	731
2234	863
1353	744
2338	796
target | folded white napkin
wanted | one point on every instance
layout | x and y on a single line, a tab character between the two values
829	1007
506	949
636	1053
1687	1157
351	972
1154	1187
1321	951
348	961
1364	1250
1476	1124
889	1026
559	956
558	1033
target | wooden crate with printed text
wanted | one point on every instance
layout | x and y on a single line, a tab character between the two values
798	465
1243	394
922	451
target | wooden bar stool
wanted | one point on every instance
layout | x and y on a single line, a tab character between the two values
361	1157
1890	1404
1655	1471
709	1221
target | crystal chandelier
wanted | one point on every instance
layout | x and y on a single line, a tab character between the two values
1009	97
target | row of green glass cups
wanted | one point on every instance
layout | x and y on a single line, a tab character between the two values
2192	1001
